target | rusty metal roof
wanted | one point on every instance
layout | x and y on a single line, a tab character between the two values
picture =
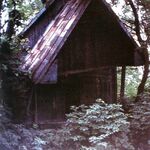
41	57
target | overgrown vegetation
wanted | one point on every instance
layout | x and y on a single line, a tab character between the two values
132	80
99	126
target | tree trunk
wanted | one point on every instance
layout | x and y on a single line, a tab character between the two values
1	2
145	75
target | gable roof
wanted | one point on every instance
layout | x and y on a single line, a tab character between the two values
41	57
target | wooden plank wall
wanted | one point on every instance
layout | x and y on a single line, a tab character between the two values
98	84
51	103
97	40
54	101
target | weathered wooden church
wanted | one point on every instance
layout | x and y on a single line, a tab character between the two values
76	47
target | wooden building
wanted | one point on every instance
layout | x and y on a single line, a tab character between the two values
76	47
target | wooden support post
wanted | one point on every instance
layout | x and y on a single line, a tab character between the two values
123	76
36	106
29	102
114	85
1	97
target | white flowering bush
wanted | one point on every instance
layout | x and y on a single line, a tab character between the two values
99	126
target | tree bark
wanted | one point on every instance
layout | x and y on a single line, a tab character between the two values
145	74
1	2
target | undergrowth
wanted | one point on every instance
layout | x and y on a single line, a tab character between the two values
99	126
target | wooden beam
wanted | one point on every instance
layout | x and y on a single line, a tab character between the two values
29	102
72	72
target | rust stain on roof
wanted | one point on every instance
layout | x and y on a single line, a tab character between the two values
41	57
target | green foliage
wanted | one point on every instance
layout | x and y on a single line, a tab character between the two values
8	47
103	126
132	80
26	8
4	45
13	14
100	126
31	8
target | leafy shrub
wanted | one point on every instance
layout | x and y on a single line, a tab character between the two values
99	126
